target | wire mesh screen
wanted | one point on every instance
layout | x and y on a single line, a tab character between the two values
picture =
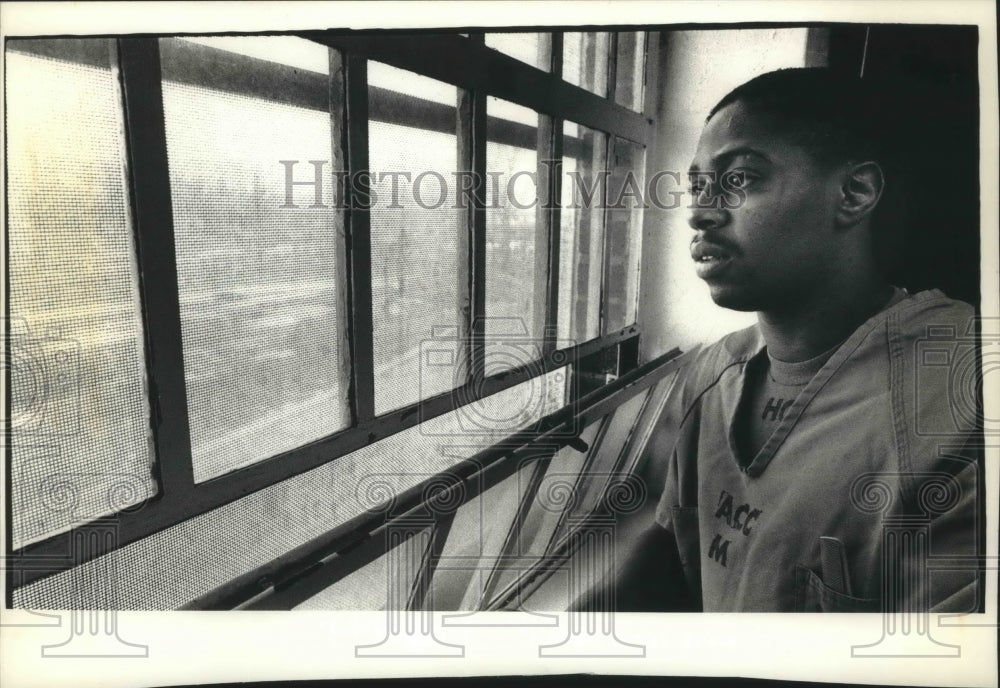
533	48
79	416
256	269
585	60
624	234
415	226
515	243
630	66
581	240
184	562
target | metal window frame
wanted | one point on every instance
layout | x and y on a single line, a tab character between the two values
312	568
481	73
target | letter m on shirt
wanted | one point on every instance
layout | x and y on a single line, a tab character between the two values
718	549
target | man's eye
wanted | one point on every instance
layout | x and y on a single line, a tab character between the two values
736	179
696	185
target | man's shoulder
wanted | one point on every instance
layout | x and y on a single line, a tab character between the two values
926	314
932	313
713	360
733	347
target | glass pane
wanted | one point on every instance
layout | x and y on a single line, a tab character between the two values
533	48
585	60
515	244
604	462
79	416
186	561
476	539
581	242
257	268
367	589
625	199
649	418
556	491
630	66
414	232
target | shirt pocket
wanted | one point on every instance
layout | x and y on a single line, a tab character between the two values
687	534
812	595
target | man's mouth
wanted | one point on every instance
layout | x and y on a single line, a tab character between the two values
710	259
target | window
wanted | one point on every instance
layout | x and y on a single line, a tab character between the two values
581	252
623	233
516	236
257	279
585	60
294	283
416	230
80	418
630	69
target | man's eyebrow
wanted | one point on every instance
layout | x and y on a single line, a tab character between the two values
728	154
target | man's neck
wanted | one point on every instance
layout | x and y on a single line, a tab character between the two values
804	331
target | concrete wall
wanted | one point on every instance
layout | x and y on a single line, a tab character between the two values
695	69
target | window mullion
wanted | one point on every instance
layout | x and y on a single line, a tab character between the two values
613	65
609	151
466	233
342	199
146	141
554	210
358	243
546	235
551	215
477	249
556	50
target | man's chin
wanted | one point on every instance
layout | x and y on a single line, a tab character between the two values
733	299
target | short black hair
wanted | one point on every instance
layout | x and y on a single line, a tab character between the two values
833	116
840	118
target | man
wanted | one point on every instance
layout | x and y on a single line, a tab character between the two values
803	442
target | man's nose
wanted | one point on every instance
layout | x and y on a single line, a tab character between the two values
707	211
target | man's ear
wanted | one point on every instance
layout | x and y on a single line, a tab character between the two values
860	192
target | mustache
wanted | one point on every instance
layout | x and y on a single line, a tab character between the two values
717	243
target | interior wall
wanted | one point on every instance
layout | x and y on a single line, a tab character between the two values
929	79
695	70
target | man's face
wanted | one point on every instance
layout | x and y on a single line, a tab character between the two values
763	214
